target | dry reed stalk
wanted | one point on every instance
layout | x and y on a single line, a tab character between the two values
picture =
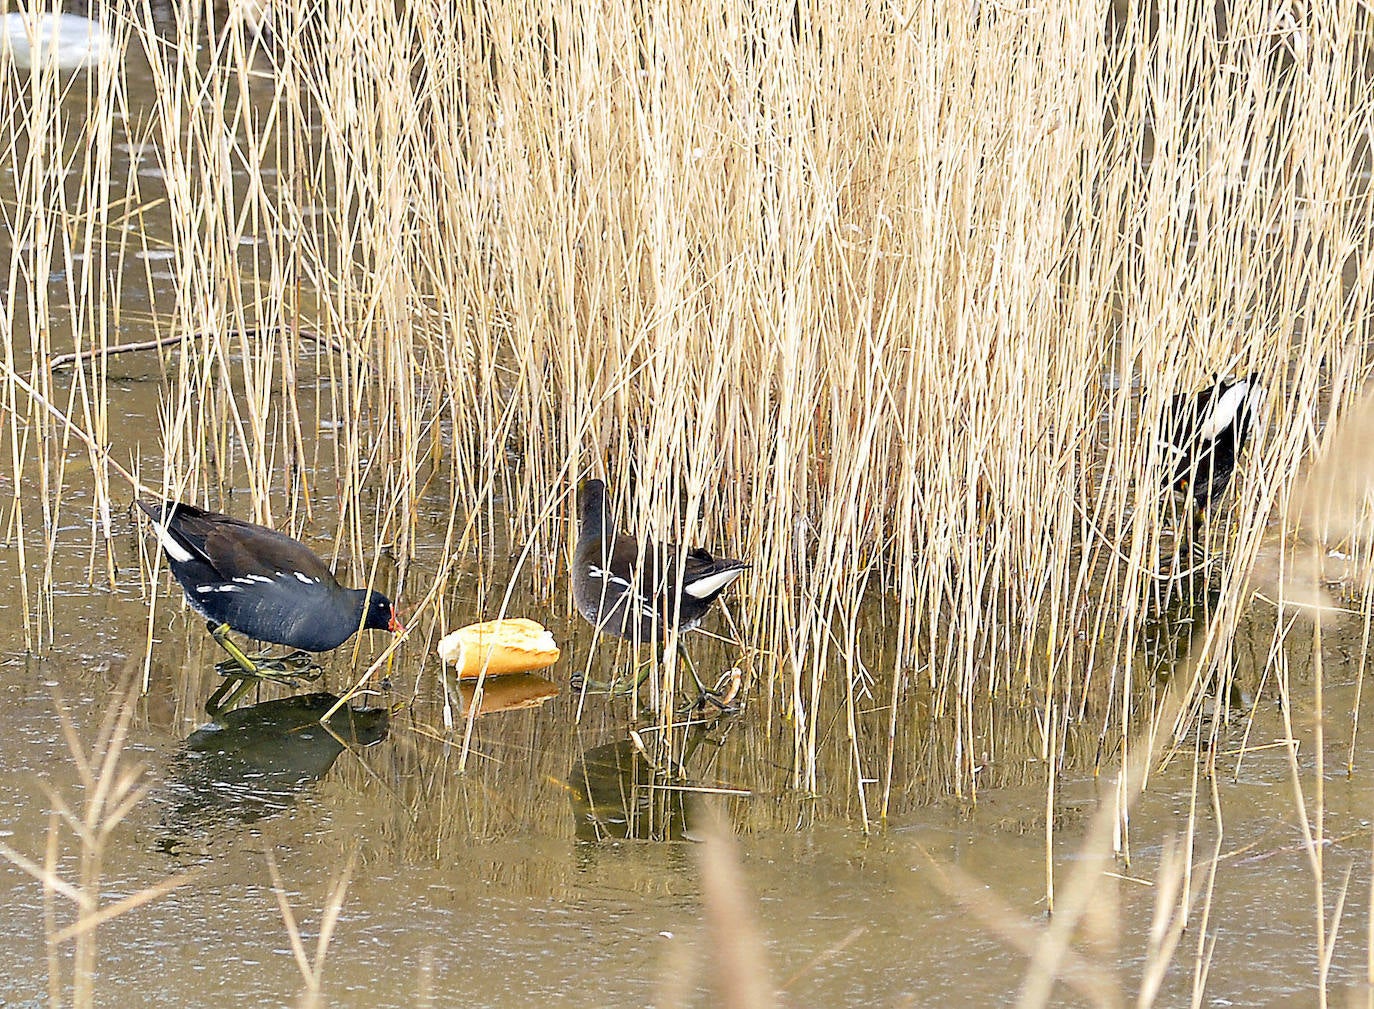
312	967
1083	904
1331	516
738	965
61	159
1369	935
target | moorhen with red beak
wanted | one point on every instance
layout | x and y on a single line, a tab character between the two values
247	578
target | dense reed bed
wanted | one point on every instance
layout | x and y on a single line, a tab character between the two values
890	302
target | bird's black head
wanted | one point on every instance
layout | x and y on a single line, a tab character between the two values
591	507
380	614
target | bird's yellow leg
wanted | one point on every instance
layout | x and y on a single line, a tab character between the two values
220	632
614	686
285	669
692	668
642	672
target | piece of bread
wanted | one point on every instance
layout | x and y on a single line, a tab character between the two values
514	645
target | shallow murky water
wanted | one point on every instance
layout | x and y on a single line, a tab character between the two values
557	866
478	888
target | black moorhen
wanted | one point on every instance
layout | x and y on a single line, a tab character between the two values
248	578
1205	431
632	590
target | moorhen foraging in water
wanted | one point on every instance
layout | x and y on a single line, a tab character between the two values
245	577
632	590
1203	433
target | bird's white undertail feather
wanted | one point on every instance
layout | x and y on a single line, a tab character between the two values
169	543
1225	410
700	588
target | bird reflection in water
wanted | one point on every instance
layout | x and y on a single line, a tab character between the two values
252	762
618	794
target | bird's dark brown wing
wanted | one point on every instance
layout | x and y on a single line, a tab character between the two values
235	548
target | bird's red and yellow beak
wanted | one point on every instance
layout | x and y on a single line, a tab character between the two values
395	626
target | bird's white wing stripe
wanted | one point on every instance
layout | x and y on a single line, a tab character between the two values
700	588
1224	412
223	587
596	572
